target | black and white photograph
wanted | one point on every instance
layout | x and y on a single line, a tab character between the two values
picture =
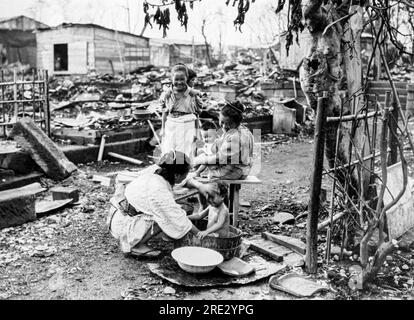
207	157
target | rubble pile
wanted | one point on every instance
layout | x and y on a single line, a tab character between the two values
106	102
403	72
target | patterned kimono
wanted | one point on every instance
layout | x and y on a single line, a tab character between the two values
152	197
180	127
232	157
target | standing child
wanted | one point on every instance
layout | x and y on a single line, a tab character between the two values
181	106
218	215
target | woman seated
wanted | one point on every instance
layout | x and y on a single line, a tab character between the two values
232	153
146	206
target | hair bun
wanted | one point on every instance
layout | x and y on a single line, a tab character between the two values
237	106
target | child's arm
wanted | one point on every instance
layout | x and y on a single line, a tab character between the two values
217	226
163	102
163	120
199	215
200	170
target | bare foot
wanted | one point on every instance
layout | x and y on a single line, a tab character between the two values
145	251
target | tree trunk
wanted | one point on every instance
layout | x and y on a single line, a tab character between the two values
205	41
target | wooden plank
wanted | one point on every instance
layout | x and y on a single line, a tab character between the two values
268	248
31	189
17	206
289	242
248	180
19	181
386	84
42	149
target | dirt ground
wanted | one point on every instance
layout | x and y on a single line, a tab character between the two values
70	255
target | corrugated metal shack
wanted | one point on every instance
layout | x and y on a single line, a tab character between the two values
79	48
168	52
17	40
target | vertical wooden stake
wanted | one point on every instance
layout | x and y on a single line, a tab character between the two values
101	148
385	124
16	106
47	106
332	206
312	221
392	124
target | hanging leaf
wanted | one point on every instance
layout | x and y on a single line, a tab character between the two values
148	20
146	7
280	5
177	5
247	6
167	16
157	15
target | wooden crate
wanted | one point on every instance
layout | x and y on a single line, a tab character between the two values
264	123
85	137
381	87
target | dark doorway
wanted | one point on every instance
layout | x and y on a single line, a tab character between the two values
61	57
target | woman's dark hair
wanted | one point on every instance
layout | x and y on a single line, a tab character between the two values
172	163
208	125
234	111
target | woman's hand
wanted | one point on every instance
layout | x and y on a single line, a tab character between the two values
208	190
202	234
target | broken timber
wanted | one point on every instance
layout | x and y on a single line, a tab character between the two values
267	248
17	206
289	242
125	158
42	149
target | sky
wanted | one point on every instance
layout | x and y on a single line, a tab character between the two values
261	27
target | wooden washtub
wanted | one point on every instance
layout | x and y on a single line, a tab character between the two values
229	247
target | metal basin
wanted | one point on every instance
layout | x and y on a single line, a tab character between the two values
197	259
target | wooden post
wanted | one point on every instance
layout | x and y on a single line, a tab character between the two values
378	53
33	96
47	106
16	105
312	220
101	148
392	124
332	206
385	123
3	106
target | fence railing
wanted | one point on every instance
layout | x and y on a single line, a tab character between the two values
24	96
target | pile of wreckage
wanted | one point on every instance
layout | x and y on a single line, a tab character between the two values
107	102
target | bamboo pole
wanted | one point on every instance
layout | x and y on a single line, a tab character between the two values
16	106
47	106
154	132
125	158
392	124
101	148
312	219
332	205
